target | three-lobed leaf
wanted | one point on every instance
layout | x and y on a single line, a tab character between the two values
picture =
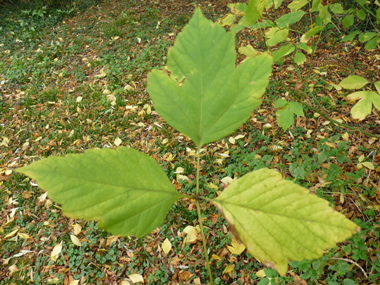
364	106
279	220
124	189
206	97
285	116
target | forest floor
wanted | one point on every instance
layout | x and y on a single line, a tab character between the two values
75	81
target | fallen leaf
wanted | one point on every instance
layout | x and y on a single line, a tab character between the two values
136	278
192	233
118	141
56	251
227	180
260	273
23	235
77	229
112	239
166	246
75	240
11	234
228	269
12	269
236	247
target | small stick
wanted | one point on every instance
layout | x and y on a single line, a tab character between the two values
353	262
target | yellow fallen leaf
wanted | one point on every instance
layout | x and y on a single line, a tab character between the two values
341	198
236	248
192	233
23	235
369	165
74	282
212	186
170	157
102	74
75	240
125	282
11	234
118	141
136	278
13	268
77	229
227	180
260	273
182	177
179	170
166	246
111	240
215	257
345	136
229	269
361	158
238	137
4	142
56	251
231	140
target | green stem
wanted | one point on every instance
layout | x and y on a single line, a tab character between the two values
201	222
204	242
367	10
197	187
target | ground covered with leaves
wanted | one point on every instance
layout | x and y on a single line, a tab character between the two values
74	80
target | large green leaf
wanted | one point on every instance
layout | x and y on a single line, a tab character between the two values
279	220
364	106
206	97
126	190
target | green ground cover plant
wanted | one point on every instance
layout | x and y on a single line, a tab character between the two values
86	89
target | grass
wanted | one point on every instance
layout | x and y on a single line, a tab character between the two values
73	81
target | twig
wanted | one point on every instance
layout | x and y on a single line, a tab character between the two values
353	262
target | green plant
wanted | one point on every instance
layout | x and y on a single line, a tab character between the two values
275	31
205	98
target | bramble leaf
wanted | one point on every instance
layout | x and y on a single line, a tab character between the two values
276	3
297	4
282	51
290	18
299	58
124	189
279	220
206	97
276	35
364	106
348	21
254	10
353	82
285	116
248	51
377	85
